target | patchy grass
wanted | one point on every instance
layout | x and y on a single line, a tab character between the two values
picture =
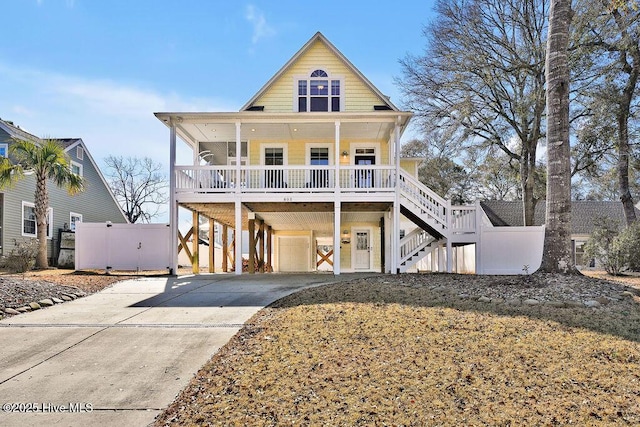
376	353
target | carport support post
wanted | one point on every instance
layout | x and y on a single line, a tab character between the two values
212	246
337	226
252	245
225	248
238	237
269	246
395	228
261	246
195	245
173	205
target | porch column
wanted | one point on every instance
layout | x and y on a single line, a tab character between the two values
395	229
238	236
336	157
449	257
173	204
238	158
195	245
337	226
212	246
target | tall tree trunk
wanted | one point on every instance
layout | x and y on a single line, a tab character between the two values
528	174
41	203
557	254
623	169
624	109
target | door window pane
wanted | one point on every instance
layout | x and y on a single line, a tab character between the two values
274	157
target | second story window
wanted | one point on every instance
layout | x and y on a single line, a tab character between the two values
319	92
76	168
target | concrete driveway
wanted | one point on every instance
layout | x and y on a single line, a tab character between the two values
120	356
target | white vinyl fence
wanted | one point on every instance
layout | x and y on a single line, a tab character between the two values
510	250
122	246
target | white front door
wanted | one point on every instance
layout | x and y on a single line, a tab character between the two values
362	257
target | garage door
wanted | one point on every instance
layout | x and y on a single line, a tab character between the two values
293	254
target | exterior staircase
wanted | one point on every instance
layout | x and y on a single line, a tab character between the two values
436	218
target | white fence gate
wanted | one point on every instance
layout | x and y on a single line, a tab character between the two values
510	250
123	246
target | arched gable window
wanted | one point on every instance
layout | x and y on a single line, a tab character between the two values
319	92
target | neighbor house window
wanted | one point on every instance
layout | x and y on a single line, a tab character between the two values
74	218
76	168
4	147
29	225
79	152
319	92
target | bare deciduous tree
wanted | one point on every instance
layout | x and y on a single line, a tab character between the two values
611	39
139	186
482	78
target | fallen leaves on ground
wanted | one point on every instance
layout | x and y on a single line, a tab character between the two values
376	353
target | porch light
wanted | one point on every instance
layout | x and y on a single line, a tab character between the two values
345	153
345	238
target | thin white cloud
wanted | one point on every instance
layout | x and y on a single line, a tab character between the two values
110	116
69	3
261	28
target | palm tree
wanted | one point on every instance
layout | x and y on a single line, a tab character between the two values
47	161
557	239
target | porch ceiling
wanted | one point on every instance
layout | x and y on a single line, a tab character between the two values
293	216
198	127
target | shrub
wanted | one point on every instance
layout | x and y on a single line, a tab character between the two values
617	251
630	244
22	257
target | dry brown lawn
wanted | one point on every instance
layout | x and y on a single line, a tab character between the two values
380	353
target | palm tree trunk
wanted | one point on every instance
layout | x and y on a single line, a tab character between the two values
41	206
557	254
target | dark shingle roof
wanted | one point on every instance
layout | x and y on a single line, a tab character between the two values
583	214
66	142
15	132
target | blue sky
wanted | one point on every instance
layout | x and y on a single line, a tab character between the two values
98	70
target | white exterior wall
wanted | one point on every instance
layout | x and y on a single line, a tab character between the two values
507	250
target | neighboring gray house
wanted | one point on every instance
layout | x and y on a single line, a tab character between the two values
584	215
17	219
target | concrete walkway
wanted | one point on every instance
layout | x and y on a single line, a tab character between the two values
120	356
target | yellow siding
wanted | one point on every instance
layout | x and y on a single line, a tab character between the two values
297	155
410	166
357	95
375	236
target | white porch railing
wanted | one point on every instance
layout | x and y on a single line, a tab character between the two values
303	178
412	243
463	219
424	198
